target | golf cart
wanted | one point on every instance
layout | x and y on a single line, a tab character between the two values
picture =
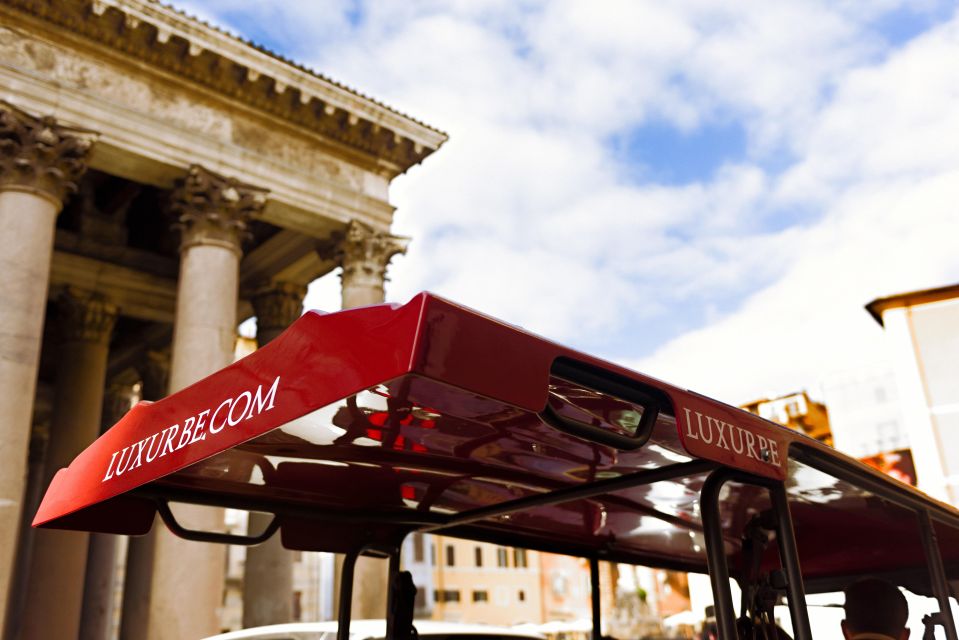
440	419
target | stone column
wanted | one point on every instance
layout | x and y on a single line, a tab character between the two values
268	571
96	617
363	255
40	164
187	585
55	582
154	370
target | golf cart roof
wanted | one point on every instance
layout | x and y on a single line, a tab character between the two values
433	417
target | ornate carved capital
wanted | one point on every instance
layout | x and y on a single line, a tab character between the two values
85	316
154	370
364	254
41	156
214	210
277	306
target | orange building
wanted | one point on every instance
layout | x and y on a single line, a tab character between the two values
482	582
796	411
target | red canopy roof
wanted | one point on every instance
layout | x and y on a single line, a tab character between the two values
431	415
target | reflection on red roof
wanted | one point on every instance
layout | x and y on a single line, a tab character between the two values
413	417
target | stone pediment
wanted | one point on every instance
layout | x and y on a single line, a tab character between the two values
171	41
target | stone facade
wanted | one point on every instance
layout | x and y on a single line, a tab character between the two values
160	181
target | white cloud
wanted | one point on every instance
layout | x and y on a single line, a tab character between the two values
527	213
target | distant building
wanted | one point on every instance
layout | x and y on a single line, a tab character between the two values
921	328
865	413
796	411
482	582
565	585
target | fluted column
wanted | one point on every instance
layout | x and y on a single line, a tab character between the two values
154	370
96	617
40	164
55	582
213	213
268	571
364	255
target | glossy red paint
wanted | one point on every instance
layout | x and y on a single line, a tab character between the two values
392	415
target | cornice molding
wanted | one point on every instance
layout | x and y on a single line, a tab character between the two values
167	39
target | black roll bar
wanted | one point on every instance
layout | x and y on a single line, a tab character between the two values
345	609
937	573
716	555
579	492
716	551
346	594
391	595
594	598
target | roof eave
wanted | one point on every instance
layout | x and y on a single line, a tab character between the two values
173	41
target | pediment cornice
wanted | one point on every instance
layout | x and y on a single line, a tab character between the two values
174	42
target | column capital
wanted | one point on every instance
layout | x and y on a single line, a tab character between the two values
85	316
362	252
39	155
277	305
214	210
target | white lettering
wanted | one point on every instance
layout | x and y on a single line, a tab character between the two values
195	428
750	445
724	435
121	465
109	473
774	451
214	429
168	445
236	403
139	459
709	423
186	433
159	438
763	447
732	440
259	402
200	424
689	426
721	440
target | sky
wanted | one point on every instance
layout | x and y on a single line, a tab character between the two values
706	192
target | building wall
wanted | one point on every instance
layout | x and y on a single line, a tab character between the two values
865	412
925	347
566	589
481	582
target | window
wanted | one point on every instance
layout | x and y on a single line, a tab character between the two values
418	547
450	556
433	554
519	558
446	595
478	553
502	557
297	605
522	595
481	596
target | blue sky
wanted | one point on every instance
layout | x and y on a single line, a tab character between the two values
709	192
